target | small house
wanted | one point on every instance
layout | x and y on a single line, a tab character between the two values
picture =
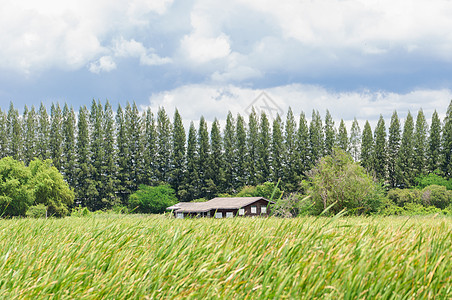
223	208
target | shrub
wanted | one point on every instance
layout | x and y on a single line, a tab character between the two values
293	205
37	211
262	190
402	196
437	196
80	211
152	199
433	179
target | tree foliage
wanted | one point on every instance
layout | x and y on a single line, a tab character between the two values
152	199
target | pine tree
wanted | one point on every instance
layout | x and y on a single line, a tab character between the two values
253	148
264	149
405	161
315	138
216	158
420	144
30	126
229	155
123	154
109	168
85	190
355	140
68	159
290	154
43	133
379	159
191	181
3	135
203	157
367	146
277	150
133	125
393	149
55	135
434	144
303	146
96	152
241	166
447	143
342	137
163	152
14	132
150	149
178	153
330	134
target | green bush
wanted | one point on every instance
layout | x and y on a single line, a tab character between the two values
262	190
437	196
152	199
80	211
402	196
37	211
433	179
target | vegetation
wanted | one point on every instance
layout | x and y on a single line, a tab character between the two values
136	257
152	200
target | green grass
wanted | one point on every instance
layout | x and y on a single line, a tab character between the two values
138	257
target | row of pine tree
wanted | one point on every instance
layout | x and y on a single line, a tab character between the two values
105	155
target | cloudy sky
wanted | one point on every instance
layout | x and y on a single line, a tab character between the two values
357	58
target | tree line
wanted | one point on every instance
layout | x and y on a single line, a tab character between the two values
105	154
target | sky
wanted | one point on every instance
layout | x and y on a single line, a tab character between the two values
356	58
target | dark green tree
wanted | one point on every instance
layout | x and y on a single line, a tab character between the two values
3	135
56	135
229	155
355	140
96	153
393	149
367	147
68	160
405	161
290	175
14	132
123	156
447	143
342	137
252	148
315	138
43	133
277	150
330	134
434	144
150	149
379	159
30	127
264	149
420	144
178	153
191	186
241	166
303	146
134	134
163	153
216	158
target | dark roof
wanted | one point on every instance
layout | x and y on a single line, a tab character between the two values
214	204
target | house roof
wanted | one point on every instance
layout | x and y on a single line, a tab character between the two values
214	204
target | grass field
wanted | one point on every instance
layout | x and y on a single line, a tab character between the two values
138	257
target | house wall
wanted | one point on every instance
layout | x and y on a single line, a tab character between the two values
235	212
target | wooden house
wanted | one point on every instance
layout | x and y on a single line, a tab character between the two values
223	208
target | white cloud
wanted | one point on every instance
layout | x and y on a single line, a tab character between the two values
104	64
216	100
203	49
132	48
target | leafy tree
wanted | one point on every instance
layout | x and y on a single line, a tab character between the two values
264	149
340	182
55	135
15	194
420	144
178	153
315	138
49	188
434	144
405	161
43	133
342	137
433	178
330	134
241	166
253	148
14	131
266	190
367	147
303	146
163	153
152	200
393	149
379	159
355	140
290	172
229	154
277	150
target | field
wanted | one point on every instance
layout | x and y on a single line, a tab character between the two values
139	257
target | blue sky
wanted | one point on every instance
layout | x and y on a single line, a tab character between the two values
357	58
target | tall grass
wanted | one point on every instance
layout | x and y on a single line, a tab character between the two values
153	257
